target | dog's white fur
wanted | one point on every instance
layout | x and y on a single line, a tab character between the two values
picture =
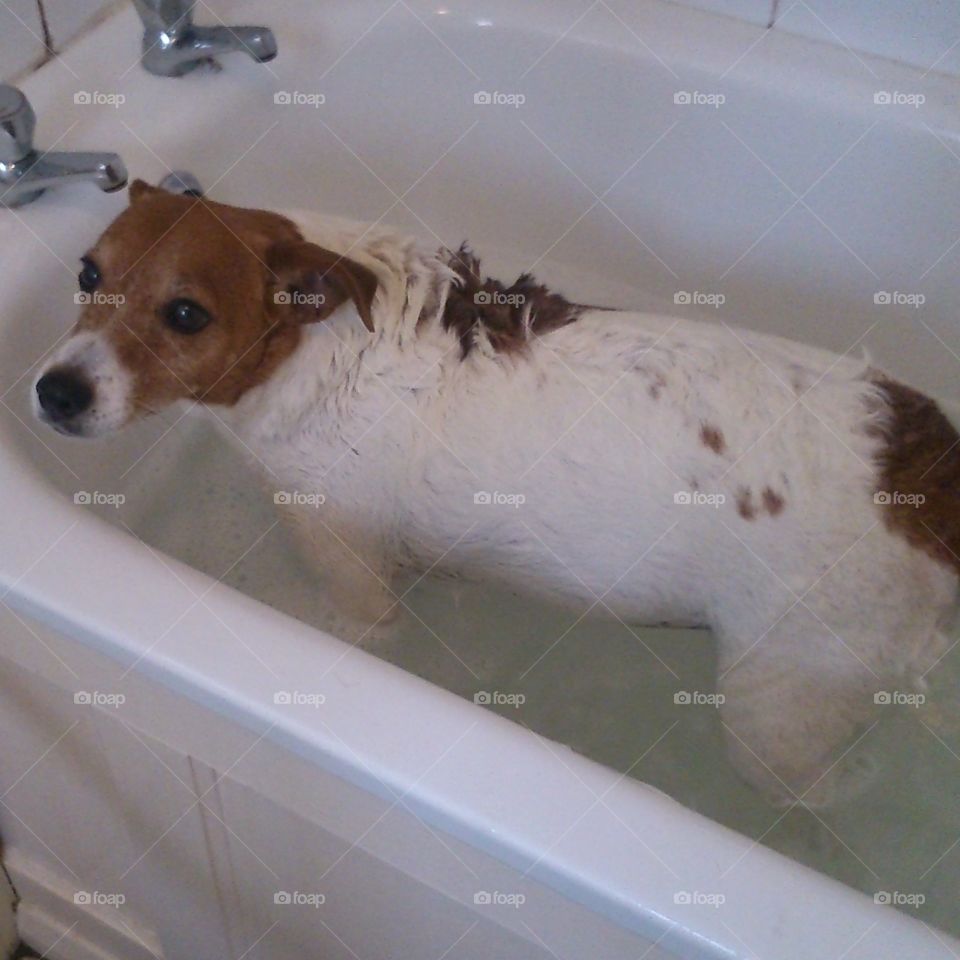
599	427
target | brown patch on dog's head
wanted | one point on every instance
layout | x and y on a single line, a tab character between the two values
200	300
919	482
713	438
745	506
509	316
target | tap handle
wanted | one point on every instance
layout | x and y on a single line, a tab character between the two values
17	121
165	16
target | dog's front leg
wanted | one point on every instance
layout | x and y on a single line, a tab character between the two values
354	561
360	586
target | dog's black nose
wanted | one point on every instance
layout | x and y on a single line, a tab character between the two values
63	393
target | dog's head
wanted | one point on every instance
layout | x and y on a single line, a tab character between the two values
184	298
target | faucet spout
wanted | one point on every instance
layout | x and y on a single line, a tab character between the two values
27	179
257	42
25	172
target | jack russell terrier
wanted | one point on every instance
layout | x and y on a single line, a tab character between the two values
803	505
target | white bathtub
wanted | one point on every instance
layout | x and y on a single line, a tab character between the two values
401	820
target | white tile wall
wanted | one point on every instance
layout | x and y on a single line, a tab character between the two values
21	37
924	34
67	18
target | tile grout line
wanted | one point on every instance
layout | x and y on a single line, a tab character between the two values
774	10
45	27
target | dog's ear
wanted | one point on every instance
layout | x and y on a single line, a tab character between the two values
140	189
307	282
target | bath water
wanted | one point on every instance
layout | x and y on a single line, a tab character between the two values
636	699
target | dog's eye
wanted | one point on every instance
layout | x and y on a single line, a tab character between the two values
89	276
185	316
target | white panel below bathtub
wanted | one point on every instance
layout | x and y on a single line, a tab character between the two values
21	37
54	924
925	35
759	12
201	878
101	822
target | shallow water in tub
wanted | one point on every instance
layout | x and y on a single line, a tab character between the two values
603	689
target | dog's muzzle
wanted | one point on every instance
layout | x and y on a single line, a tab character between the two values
63	394
83	391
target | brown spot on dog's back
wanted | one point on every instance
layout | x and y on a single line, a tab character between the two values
773	503
713	438
656	387
510	317
745	505
919	464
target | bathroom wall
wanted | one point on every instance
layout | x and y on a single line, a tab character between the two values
67	18
27	37
924	34
21	37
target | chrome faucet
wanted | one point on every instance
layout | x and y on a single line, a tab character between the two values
25	172
173	45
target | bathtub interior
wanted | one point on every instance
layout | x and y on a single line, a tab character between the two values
605	689
703	201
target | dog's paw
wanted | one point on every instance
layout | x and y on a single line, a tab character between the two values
369	635
832	783
374	605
